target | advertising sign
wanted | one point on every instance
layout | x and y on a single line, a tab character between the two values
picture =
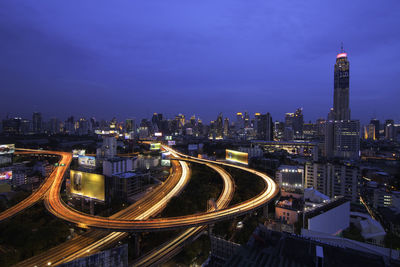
158	134
78	152
192	147
171	143
155	146
168	137
165	163
87	184
7	149
87	161
237	156
7	175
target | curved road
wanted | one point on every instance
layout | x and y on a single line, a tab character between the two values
44	187
95	240
172	247
60	209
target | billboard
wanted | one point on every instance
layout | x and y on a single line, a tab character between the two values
237	156
171	143
87	161
158	134
7	149
192	147
165	163
168	137
155	146
5	175
78	152
86	184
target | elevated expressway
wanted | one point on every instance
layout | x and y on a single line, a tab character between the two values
128	221
96	240
60	209
44	187
172	247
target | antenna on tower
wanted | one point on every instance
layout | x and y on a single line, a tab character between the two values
341	47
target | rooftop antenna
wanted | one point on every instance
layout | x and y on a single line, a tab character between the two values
341	47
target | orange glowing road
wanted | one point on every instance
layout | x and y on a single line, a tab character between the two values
141	222
169	249
44	187
94	241
60	209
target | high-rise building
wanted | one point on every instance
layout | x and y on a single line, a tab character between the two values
341	108
246	120
334	179
342	139
37	122
376	123
12	126
369	132
54	126
264	127
342	135
130	125
226	127
239	121
219	126
295	121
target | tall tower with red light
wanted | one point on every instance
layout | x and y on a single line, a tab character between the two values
341	110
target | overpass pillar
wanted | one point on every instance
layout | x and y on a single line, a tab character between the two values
210	229
265	211
91	207
136	246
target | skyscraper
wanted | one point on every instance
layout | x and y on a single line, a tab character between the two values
295	121
341	110
37	122
264	127
342	135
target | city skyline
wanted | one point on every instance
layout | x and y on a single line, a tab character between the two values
254	57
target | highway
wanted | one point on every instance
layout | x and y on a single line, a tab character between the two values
43	188
172	247
60	209
95	240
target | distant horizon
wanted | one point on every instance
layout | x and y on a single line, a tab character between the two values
232	118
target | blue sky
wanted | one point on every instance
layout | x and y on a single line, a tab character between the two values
133	58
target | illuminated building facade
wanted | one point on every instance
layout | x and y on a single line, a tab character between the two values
342	135
294	122
341	108
369	132
264	126
334	179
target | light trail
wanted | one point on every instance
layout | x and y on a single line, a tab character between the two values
43	188
59	208
96	240
174	246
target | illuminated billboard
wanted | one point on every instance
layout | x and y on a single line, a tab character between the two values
7	149
165	163
155	146
193	147
168	137
171	143
5	176
237	156
86	184
158	134
87	161
78	152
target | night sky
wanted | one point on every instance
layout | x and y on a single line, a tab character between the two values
133	58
